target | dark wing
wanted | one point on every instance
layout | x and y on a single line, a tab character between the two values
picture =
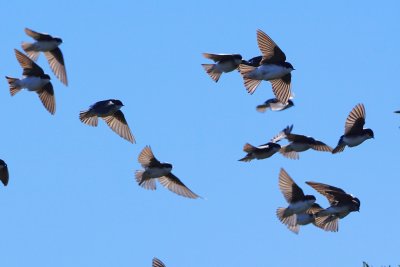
46	95
30	68
4	177
281	88
172	183
330	192
38	36
118	124
355	121
219	57
320	146
56	61
146	158
157	263
270	51
290	190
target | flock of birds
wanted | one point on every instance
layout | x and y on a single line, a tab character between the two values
270	66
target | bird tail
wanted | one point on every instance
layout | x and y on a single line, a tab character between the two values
29	48
261	108
340	146
289	220
88	118
148	183
248	148
14	86
212	71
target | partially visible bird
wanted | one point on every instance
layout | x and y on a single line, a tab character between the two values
273	67
354	133
49	45
274	105
157	263
223	63
154	169
109	111
294	195
299	143
34	80
4	177
341	204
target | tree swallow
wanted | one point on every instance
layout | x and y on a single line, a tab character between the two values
299	143
3	172
49	46
261	152
34	80
224	63
154	169
307	217
274	105
341	204
157	263
109	111
294	195
354	133
273	67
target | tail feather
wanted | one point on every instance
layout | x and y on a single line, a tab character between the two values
14	87
284	218
214	73
261	108
143	182
29	48
248	148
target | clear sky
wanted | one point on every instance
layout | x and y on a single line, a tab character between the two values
72	199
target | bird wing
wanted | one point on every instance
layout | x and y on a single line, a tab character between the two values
290	190
56	61
333	194
147	158
46	95
270	51
118	124
172	183
157	263
356	120
38	36
30	68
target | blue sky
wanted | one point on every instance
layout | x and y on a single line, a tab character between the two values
72	199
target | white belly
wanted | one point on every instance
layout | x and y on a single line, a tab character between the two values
298	147
304	218
45	46
156	172
32	83
268	72
354	141
227	66
299	207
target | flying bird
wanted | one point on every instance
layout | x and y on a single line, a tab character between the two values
294	195
307	217
49	45
299	143
157	263
3	172
273	67
34	80
275	105
223	63
260	152
109	111
354	133
341	204
154	169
